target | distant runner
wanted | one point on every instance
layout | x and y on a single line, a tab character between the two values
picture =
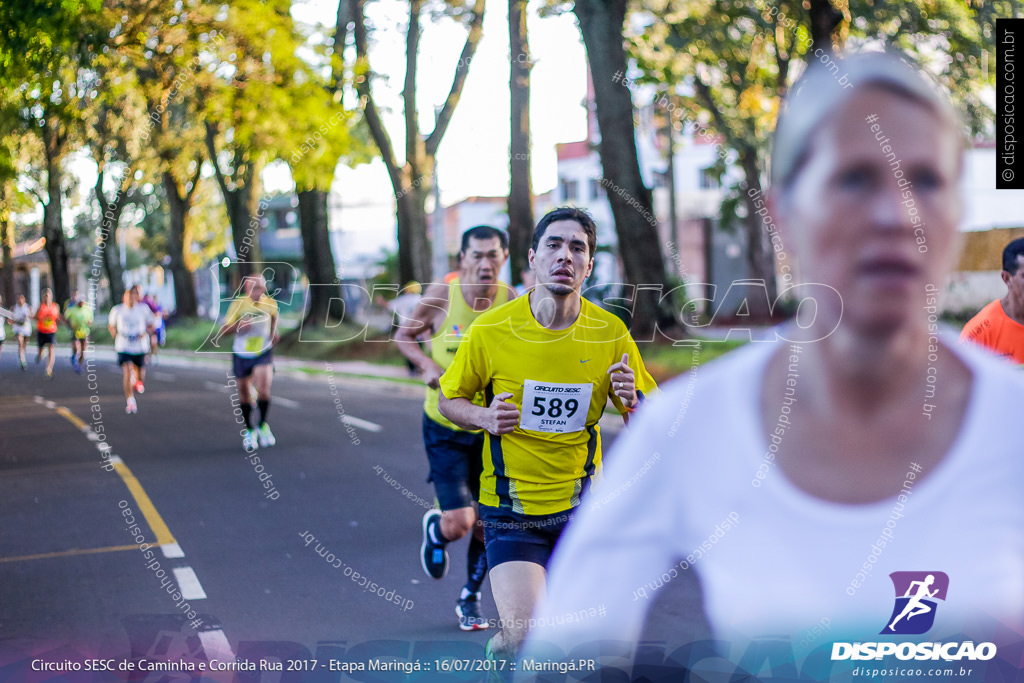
252	318
21	326
47	316
130	323
5	315
159	335
79	319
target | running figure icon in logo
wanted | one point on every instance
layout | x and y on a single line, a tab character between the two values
913	593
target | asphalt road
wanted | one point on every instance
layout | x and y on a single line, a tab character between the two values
154	537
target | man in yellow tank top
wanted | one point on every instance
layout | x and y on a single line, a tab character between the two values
446	312
548	362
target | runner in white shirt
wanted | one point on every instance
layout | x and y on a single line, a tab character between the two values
131	324
21	326
4	316
815	483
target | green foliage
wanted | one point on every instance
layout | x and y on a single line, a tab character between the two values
389	274
37	35
248	100
46	50
953	39
730	62
665	361
327	133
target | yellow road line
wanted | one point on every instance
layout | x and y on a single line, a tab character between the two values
70	553
70	417
156	522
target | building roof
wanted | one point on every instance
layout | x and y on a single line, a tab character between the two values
573	150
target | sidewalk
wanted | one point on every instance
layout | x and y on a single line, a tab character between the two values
610	422
363	369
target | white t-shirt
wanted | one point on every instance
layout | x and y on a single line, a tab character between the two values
22	323
131	324
773	560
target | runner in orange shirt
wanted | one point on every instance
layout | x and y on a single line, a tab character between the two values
47	316
1000	325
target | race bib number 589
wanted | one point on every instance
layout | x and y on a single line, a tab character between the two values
555	408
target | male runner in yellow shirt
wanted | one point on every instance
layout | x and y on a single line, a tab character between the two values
548	363
446	311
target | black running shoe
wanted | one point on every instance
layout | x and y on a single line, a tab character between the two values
433	556
470	618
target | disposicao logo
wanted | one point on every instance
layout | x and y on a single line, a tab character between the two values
917	600
916	595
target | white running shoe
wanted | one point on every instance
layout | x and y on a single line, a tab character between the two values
266	437
131	406
249	440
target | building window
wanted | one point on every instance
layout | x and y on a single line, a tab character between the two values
568	189
660	179
596	188
708	179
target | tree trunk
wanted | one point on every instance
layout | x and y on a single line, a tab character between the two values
245	224
601	23
824	19
53	230
413	247
760	255
520	195
112	265
325	301
412	180
179	241
677	269
110	212
7	244
241	202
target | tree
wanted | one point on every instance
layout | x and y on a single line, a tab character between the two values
7	239
520	194
313	160
169	50
735	60
10	201
950	38
249	109
114	144
327	134
45	57
736	97
412	179
601	23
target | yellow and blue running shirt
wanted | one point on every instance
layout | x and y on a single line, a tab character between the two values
259	314
559	380
446	341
